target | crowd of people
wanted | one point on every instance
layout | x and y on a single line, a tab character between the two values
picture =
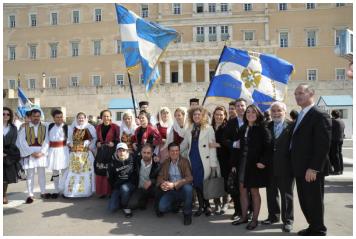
167	159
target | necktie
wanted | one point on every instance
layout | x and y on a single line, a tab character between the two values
300	117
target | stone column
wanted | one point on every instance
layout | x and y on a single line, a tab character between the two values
206	70
167	71
180	71
193	75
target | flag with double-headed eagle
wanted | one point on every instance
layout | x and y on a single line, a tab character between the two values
143	43
261	79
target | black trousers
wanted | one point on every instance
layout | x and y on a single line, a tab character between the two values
140	197
282	186
335	155
311	200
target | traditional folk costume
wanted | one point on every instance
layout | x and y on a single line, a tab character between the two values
30	140
164	129
106	134
58	152
146	135
80	179
126	134
176	134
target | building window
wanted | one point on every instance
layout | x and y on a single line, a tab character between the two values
119	116
119	80
118	46
223	7
53	52
97	48
33	52
52	83
224	33
248	36
75	49
200	7
98	15
282	6
312	75
12	84
310	5
174	77
212	33
200	34
340	74
12	53
32	83
144	10
76	16
33	20
96	80
283	39
311	38
248	7
12	21
176	8
74	81
340	4
212	7
54	18
337	37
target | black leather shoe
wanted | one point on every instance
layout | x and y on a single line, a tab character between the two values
54	195
187	220
252	225
159	214
29	200
208	211
309	232
239	222
198	213
269	221
46	196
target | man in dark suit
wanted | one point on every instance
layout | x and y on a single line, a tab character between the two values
337	139
281	176
309	148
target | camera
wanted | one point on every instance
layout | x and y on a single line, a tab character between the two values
345	47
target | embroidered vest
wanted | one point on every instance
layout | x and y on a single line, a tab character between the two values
30	135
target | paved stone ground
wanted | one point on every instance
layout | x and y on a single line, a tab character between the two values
88	217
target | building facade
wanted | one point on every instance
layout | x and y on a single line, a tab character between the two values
61	49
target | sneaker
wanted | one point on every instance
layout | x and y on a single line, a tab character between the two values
127	212
187	220
287	228
29	200
235	216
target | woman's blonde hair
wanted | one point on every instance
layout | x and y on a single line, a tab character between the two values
204	115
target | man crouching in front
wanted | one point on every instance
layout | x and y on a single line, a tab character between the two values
175	183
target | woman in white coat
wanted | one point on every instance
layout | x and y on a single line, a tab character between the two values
202	158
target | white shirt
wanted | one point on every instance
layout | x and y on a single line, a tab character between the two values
305	111
6	129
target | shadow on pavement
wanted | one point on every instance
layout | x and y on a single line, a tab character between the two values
338	187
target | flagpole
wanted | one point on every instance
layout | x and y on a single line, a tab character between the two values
214	75
132	94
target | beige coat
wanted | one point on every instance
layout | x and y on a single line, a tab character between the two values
207	155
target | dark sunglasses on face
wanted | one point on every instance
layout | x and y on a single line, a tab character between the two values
4	114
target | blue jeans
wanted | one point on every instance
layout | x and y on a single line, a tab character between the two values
183	194
120	197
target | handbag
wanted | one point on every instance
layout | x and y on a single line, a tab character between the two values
213	187
102	160
232	184
21	174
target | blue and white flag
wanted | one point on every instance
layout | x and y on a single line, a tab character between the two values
261	79
24	104
143	42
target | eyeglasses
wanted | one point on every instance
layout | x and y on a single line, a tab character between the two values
5	114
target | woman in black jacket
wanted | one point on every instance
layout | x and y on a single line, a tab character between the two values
11	154
255	141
